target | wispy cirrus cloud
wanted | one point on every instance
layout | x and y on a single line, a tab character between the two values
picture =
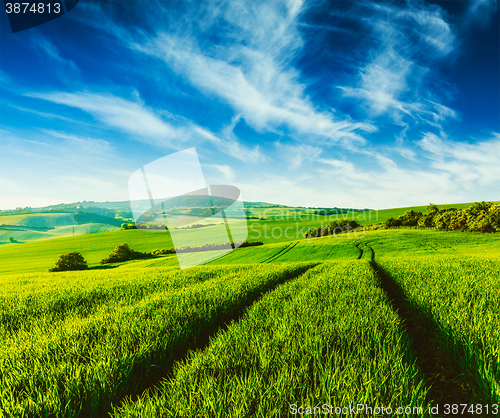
251	67
226	171
394	80
45	46
296	154
470	164
480	11
145	124
85	145
125	115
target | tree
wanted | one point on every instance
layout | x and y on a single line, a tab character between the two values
69	262
12	239
444	219
458	220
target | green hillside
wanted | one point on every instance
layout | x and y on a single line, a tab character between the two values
400	317
39	220
267	223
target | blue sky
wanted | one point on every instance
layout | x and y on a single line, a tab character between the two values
349	104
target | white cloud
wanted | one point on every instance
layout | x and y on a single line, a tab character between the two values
250	68
46	115
85	145
144	124
295	155
480	11
393	80
226	171
53	52
228	143
470	165
131	117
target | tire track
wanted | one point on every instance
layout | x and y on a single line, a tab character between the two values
360	250
448	384
284	250
372	257
328	255
200	341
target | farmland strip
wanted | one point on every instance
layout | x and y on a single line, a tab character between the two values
447	385
274	255
281	253
79	368
460	294
329	337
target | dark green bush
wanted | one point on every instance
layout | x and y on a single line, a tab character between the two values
69	262
392	223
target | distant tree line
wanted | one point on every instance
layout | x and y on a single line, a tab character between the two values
336	211
82	218
480	217
333	228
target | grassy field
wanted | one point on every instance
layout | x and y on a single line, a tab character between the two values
22	235
41	255
42	220
311	342
460	296
400	317
283	224
116	332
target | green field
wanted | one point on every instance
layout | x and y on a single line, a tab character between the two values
48	220
401	317
268	224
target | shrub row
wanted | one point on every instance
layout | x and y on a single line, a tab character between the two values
480	217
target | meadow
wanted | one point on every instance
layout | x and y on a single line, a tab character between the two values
397	318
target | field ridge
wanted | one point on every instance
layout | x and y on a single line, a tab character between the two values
205	334
448	383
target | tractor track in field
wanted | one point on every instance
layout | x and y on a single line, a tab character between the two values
280	253
329	252
200	342
448	384
360	249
